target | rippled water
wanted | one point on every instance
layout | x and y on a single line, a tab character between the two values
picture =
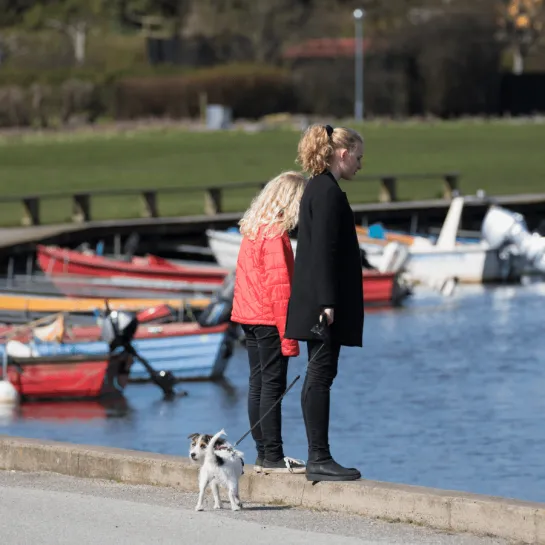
448	393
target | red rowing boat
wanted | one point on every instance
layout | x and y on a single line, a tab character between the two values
157	274
55	261
382	289
187	350
69	376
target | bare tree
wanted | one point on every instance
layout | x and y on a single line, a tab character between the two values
261	28
156	18
74	18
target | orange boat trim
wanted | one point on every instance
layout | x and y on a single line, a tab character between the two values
69	304
363	233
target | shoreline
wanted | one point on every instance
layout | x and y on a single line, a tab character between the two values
447	510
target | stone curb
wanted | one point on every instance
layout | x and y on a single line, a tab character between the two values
452	511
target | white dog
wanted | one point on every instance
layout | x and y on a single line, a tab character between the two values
221	465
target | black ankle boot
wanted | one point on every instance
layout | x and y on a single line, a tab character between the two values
330	470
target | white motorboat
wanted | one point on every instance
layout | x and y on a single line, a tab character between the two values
423	261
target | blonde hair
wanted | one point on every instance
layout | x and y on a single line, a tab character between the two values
318	144
276	207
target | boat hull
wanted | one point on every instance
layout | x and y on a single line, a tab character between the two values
467	265
88	376
188	351
379	289
54	261
21	302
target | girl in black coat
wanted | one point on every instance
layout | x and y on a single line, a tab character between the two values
327	282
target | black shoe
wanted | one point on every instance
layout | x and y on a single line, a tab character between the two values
330	470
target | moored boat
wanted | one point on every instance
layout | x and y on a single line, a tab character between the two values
55	261
187	350
102	287
69	376
379	288
33	306
467	262
383	289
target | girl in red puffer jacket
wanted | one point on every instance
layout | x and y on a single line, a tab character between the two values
260	303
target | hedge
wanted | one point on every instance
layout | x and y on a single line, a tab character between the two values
40	98
250	91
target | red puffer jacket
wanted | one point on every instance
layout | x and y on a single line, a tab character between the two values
263	285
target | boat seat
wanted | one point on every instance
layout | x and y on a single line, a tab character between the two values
53	332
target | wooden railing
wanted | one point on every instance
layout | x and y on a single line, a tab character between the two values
213	195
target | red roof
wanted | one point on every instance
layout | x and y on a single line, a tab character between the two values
324	48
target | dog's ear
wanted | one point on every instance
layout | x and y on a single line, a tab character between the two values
206	438
193	436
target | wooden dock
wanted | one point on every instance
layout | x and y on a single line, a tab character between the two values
404	215
23	239
12	237
152	222
212	197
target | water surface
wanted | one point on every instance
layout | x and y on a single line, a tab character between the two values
447	392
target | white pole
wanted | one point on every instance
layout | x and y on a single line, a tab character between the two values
358	67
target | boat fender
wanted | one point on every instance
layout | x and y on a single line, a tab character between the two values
17	349
8	393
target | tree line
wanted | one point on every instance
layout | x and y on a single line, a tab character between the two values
259	30
443	57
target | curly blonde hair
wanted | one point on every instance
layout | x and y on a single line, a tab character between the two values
316	146
276	207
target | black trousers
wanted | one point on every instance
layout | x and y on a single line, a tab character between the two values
315	396
268	378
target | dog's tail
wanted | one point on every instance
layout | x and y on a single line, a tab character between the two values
212	443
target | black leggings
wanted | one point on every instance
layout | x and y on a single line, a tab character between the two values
268	377
315	396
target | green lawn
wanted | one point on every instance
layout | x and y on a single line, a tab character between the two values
500	157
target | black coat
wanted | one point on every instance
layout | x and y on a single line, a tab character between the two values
328	267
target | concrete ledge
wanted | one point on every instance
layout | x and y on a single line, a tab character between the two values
446	510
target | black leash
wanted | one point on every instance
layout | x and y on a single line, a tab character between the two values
278	400
272	407
321	329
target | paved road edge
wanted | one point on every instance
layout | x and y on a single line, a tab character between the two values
515	520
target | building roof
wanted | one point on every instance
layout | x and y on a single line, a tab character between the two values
324	48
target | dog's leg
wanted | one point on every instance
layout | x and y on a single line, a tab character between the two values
234	499
237	496
216	493
203	481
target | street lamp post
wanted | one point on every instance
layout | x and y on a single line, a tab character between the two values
358	66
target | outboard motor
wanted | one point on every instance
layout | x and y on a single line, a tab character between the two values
394	257
219	309
118	328
503	227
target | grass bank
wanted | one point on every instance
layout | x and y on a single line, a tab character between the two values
501	157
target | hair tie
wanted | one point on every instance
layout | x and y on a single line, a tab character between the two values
329	129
